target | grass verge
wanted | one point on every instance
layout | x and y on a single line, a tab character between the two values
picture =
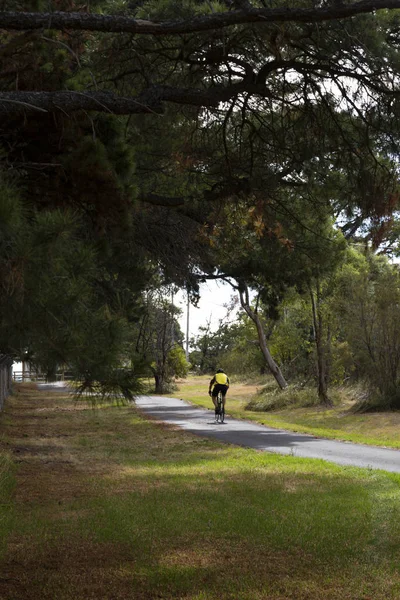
377	429
110	505
6	487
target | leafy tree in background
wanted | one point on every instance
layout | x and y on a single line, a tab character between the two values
157	340
264	249
243	356
359	309
205	354
292	338
368	299
211	347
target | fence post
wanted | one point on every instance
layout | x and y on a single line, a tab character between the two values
5	377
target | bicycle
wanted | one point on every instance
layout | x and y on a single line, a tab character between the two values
220	412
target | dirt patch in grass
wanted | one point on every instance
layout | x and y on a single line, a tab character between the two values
78	569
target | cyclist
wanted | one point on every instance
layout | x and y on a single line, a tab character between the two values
220	381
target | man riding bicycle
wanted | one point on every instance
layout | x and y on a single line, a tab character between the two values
220	381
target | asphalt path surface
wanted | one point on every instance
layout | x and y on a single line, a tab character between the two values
243	433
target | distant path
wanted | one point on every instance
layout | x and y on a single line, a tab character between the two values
260	437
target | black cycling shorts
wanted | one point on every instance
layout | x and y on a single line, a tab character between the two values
219	387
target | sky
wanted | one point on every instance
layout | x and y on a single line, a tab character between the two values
213	296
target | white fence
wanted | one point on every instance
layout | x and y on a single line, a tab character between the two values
29	375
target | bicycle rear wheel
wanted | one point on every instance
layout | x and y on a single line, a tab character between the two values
221	409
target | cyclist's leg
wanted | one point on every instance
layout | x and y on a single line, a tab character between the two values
215	398
221	416
224	396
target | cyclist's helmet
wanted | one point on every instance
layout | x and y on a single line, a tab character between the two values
220	371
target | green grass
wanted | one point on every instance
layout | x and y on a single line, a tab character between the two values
125	508
378	429
6	487
268	507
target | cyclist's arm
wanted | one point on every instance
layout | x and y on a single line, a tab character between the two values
211	384
227	381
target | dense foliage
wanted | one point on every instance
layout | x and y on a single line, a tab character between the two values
359	320
216	142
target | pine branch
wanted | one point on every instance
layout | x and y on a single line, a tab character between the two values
150	101
23	21
22	102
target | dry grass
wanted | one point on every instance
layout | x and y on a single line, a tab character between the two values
110	506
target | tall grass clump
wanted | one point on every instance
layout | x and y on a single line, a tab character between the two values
272	398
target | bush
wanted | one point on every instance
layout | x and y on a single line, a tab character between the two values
375	401
177	363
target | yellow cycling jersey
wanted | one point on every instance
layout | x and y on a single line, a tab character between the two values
221	378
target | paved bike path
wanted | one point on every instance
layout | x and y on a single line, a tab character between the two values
242	433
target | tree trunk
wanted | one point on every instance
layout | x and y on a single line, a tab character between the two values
322	371
159	384
160	380
262	340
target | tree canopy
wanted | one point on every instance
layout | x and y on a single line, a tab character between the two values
177	140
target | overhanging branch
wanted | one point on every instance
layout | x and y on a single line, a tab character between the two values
24	21
150	101
22	102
